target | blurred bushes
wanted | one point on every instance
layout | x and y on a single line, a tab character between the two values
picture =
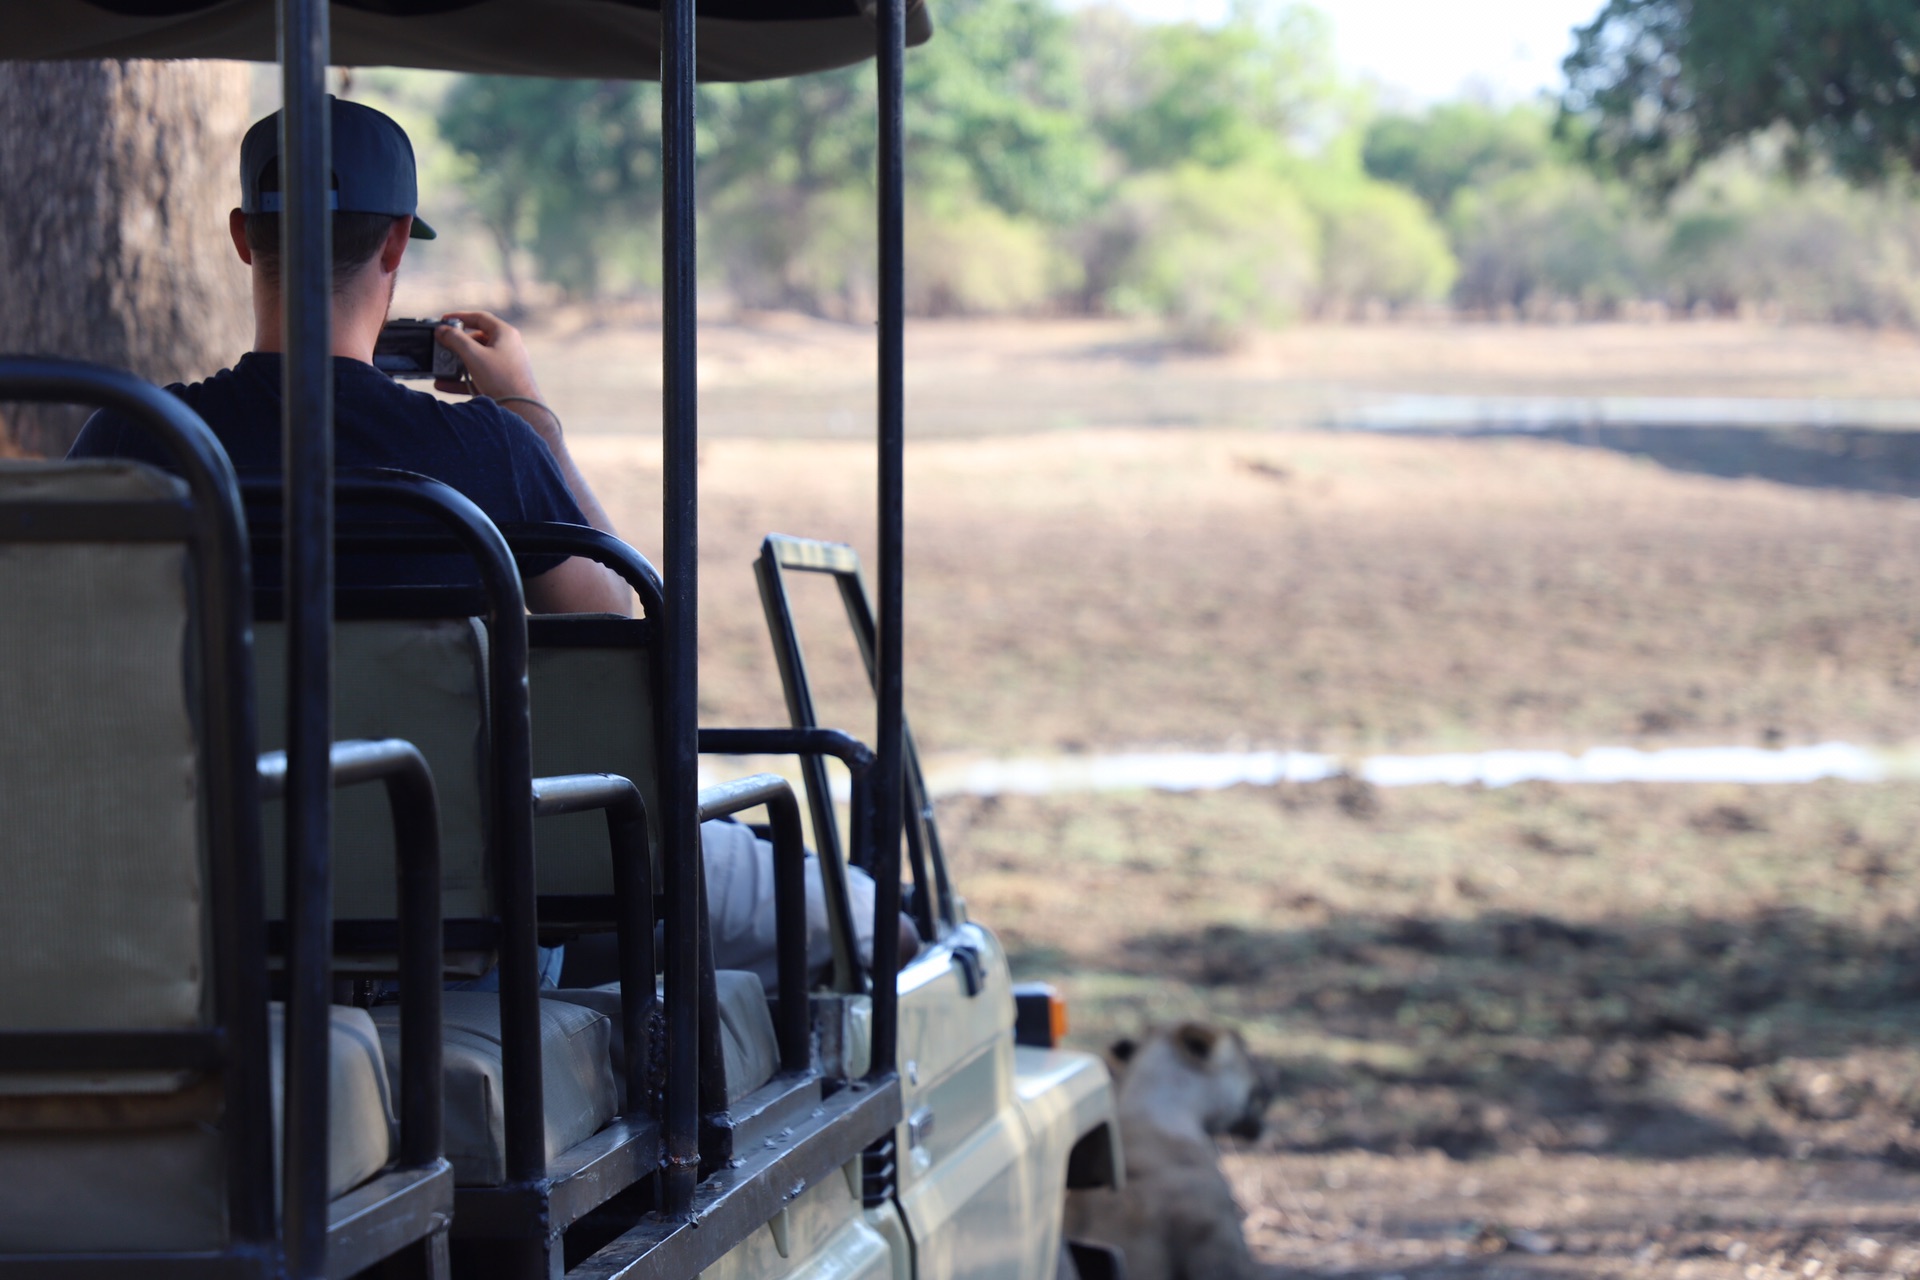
1379	245
969	258
1819	250
794	250
1214	253
1539	235
1552	235
1219	178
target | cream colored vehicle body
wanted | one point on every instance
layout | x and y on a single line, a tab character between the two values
984	1151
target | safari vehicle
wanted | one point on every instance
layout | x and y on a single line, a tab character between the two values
199	939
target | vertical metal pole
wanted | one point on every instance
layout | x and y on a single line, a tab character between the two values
680	675
889	794
306	270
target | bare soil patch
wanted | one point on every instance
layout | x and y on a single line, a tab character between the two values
1336	593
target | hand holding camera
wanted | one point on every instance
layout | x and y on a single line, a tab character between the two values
466	353
407	349
497	365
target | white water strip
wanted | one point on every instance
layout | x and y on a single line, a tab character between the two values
1209	771
1444	413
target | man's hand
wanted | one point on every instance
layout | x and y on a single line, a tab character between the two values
498	364
494	353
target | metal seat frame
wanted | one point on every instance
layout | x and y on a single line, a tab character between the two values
797	1127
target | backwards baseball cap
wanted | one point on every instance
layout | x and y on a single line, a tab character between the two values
373	169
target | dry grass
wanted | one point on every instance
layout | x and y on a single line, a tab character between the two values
1542	1030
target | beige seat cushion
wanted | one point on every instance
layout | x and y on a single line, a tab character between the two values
360	1120
747	1042
576	1075
164	1188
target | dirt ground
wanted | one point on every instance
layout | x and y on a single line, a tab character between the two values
1540	1030
1632	1030
1115	588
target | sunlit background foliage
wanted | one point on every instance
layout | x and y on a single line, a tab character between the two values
1223	178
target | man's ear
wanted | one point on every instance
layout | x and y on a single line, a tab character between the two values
237	228
395	247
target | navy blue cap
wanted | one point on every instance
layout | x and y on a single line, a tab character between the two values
373	169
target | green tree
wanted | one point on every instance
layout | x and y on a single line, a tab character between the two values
1666	84
1455	145
1742	238
569	169
1217	96
999	107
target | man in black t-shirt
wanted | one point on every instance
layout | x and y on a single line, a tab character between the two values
512	462
515	466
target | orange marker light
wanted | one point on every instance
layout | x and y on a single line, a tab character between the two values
1040	1015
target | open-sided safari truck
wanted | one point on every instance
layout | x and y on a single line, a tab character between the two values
220	968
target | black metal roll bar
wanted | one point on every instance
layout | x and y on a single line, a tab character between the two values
306	311
509	795
678	642
791	1030
590	543
890	730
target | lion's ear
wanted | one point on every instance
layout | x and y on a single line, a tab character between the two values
1122	1049
1197	1039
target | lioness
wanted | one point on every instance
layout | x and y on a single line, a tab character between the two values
1176	1218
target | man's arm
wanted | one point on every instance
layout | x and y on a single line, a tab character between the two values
497	362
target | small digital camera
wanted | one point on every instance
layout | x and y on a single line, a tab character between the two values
407	349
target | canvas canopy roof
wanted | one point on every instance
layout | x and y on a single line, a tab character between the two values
586	39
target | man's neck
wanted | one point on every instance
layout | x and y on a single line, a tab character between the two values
356	326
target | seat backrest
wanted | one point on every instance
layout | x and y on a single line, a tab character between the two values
422	680
102	885
591	682
105	916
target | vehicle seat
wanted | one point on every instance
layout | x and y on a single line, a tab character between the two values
361	1128
104	889
748	1047
591	681
577	1078
423	681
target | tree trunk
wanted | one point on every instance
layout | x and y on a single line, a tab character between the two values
115	181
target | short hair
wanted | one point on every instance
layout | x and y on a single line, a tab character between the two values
357	237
